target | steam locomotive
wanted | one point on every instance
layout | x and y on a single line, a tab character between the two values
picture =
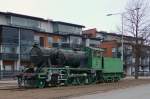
55	66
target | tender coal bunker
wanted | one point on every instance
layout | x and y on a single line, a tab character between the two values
57	57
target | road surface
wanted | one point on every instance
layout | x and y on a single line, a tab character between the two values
138	92
9	90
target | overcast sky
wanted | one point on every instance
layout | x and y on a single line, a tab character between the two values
91	13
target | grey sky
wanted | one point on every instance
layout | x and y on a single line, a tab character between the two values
91	13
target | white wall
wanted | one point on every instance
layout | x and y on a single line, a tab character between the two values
47	26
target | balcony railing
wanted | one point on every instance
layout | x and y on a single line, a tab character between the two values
14	57
66	45
8	56
25	57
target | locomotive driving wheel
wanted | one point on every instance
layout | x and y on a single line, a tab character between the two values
41	83
20	81
82	80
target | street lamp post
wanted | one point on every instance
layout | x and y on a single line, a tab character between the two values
122	30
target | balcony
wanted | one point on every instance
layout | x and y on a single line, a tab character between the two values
25	57
8	56
94	45
66	45
14	57
128	52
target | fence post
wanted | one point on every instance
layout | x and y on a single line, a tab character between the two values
1	73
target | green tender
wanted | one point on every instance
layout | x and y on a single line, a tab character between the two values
112	65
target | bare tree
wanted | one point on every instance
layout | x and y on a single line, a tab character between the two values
137	24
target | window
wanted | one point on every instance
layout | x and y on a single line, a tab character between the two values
67	29
26	37
42	41
50	40
37	39
75	40
19	21
114	52
63	39
8	67
94	43
10	35
113	49
9	49
97	53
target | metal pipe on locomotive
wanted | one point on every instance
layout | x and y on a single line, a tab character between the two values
54	66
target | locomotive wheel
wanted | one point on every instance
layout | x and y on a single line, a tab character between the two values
54	80
116	79
91	80
41	83
69	81
74	81
82	80
20	81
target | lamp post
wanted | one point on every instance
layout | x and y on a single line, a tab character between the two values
19	50
122	30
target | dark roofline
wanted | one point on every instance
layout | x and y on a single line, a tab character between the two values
114	34
95	38
38	18
72	24
17	27
32	30
78	35
40	31
22	15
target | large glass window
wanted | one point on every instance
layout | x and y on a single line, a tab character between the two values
9	49
75	40
8	67
114	52
26	37
27	40
37	39
67	29
50	40
9	35
94	43
25	22
64	39
10	40
42	41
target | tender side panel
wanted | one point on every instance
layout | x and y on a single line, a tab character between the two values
97	63
113	65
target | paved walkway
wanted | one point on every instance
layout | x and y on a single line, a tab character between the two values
139	92
6	83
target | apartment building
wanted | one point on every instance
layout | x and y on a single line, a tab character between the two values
111	43
19	32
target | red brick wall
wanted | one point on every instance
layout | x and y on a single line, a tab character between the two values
108	45
90	33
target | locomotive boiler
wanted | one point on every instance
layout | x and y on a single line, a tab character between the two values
54	57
